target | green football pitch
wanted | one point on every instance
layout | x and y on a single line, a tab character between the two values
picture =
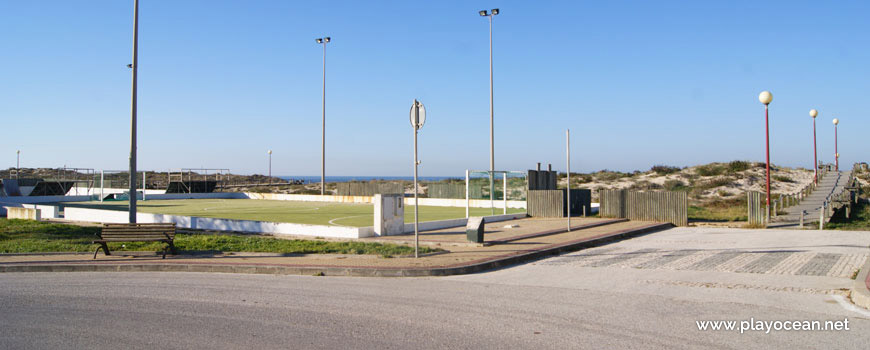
314	213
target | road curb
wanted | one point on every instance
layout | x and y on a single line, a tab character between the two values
861	287
286	269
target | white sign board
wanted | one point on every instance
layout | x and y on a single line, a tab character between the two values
418	114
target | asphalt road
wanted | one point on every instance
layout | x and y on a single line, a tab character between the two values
646	292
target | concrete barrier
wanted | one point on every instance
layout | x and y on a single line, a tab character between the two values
22	213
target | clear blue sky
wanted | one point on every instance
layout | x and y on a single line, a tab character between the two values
638	82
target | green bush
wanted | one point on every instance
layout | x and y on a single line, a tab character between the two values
738	166
710	169
675	185
712	183
664	169
782	178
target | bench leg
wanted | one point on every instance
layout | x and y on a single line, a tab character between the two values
105	250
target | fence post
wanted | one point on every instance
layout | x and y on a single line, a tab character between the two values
822	217
802	218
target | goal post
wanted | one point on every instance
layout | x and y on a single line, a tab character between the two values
496	187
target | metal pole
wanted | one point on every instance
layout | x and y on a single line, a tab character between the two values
767	146
568	161
815	154
270	167
467	194
504	193
323	130
17	164
836	152
416	203
135	67
102	184
491	127
143	185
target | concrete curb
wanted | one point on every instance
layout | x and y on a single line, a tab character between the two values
287	269
861	287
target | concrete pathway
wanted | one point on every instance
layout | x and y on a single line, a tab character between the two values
832	183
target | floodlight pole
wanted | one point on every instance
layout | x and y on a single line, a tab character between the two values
467	193
568	161
323	41
815	153
17	164
270	167
491	123
135	67
416	203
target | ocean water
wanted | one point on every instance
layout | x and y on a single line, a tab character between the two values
316	179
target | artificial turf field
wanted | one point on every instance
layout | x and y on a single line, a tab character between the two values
314	213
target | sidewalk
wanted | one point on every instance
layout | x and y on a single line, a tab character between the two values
530	239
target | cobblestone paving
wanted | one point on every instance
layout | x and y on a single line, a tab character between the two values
737	261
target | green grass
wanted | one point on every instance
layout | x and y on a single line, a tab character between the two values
723	210
26	236
860	220
313	213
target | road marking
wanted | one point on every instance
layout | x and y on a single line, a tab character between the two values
849	306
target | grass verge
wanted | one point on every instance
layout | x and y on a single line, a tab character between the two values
26	236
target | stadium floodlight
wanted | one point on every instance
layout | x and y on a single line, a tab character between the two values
491	105
323	42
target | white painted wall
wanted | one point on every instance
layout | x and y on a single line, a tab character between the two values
310	197
474	203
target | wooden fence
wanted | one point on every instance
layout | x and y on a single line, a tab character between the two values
551	203
663	206
756	212
368	188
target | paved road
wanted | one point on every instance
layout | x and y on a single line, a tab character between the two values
570	301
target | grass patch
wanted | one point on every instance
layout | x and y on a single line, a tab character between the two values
738	166
664	169
721	210
860	220
713	169
25	236
782	178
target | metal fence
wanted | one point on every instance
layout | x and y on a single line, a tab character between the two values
663	206
368	188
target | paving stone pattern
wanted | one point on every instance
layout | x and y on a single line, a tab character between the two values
738	261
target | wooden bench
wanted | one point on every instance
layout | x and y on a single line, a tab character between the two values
136	233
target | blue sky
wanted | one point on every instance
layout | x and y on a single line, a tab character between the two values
638	82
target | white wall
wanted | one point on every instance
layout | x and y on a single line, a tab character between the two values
193	222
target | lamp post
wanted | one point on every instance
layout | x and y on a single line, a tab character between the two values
135	67
323	41
270	166
836	152
490	15
766	97
17	163
814	113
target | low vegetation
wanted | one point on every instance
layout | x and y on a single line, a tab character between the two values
26	236
733	209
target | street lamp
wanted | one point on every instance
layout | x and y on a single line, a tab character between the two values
491	14
766	97
17	164
836	152
270	166
814	113
323	41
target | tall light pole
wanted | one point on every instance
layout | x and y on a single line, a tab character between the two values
766	97
836	152
490	15
270	166
323	41
814	113
17	164
134	67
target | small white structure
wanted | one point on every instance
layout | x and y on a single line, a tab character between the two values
389	214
